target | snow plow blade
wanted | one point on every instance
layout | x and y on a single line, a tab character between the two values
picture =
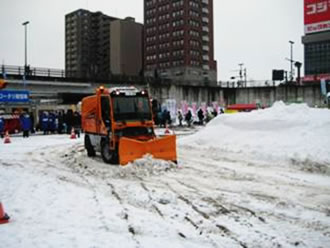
161	148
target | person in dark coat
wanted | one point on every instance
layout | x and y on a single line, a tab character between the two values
180	117
25	124
32	122
44	122
2	126
51	122
168	118
164	118
188	118
60	125
214	112
160	118
77	123
200	115
69	121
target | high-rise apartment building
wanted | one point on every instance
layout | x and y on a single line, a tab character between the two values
87	44
178	40
126	47
98	46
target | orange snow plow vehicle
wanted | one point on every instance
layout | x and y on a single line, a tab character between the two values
118	123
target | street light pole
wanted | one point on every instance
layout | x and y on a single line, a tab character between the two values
25	27
241	73
291	59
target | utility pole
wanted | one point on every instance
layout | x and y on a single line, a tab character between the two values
291	60
25	41
241	72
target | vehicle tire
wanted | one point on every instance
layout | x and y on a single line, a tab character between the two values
108	156
89	147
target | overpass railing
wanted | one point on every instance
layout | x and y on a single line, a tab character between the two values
248	84
39	73
12	70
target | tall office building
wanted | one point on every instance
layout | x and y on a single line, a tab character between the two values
317	40
178	40
87	44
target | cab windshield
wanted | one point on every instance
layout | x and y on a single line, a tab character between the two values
131	108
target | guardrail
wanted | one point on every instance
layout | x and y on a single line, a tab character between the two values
248	84
31	71
39	73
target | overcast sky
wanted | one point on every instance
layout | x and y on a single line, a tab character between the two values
253	32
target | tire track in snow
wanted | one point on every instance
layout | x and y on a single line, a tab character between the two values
268	176
163	215
115	195
130	226
206	218
158	211
232	207
150	199
231	210
180	233
67	160
221	207
71	159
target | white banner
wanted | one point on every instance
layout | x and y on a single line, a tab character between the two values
317	27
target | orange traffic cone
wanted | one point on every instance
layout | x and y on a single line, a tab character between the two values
167	131
73	134
7	138
4	218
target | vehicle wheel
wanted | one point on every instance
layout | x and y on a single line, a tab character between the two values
108	156
89	147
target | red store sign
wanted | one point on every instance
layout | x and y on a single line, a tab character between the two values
319	77
317	16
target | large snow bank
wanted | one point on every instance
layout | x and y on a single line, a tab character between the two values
294	133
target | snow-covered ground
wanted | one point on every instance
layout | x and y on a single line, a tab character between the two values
257	179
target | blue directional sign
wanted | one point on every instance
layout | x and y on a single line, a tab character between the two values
14	96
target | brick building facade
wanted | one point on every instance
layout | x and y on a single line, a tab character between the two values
179	40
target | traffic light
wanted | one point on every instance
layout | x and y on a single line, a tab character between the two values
3	84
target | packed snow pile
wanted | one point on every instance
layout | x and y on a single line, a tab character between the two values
295	133
147	166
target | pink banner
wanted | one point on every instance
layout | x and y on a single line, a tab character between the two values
184	107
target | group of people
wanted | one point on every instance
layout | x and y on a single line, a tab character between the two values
59	122
202	117
49	122
163	118
24	122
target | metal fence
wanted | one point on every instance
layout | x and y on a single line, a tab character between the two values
248	84
39	73
31	71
